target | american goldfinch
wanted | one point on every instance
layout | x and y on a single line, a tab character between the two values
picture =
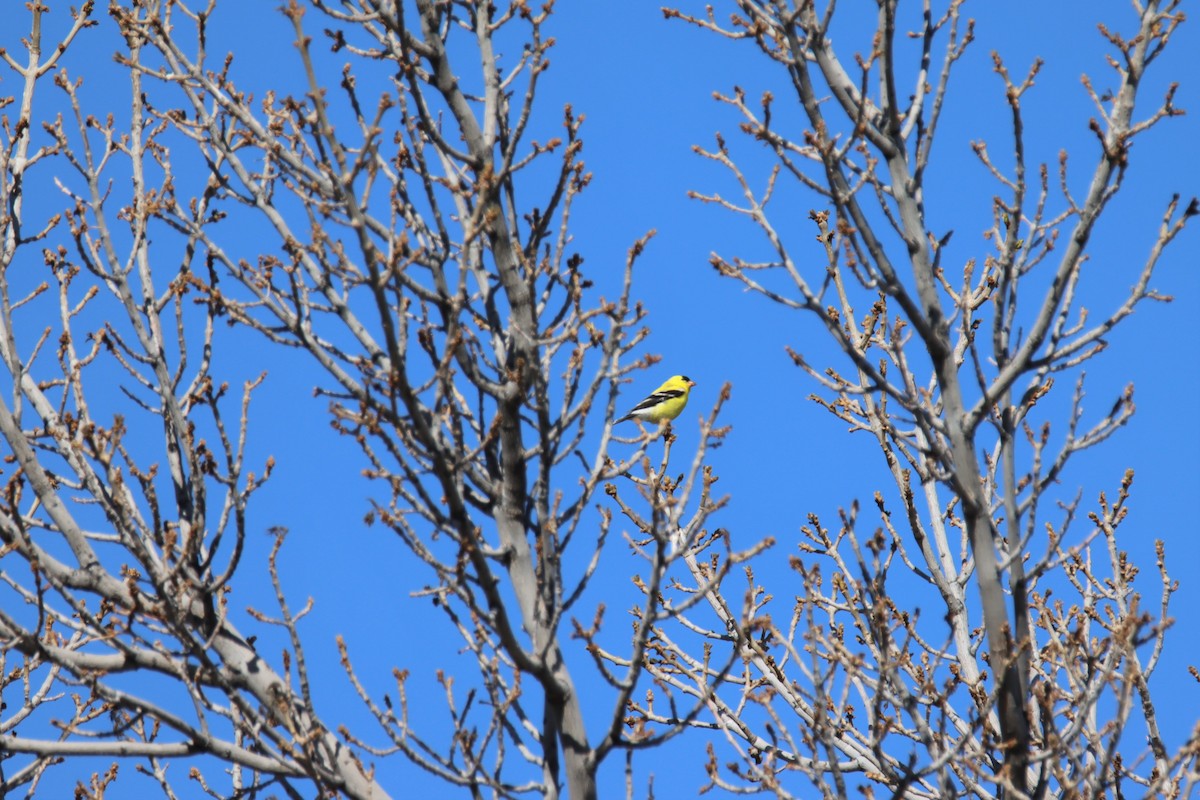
665	403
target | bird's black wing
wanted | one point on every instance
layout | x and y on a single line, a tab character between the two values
656	398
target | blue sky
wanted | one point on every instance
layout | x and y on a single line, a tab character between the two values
646	88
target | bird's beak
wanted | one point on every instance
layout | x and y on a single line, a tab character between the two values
691	384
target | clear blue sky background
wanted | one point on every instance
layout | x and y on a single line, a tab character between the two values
645	85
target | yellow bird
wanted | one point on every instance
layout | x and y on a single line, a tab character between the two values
665	403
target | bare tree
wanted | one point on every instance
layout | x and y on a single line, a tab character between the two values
410	237
412	240
1026	696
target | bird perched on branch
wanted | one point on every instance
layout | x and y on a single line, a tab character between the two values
665	403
